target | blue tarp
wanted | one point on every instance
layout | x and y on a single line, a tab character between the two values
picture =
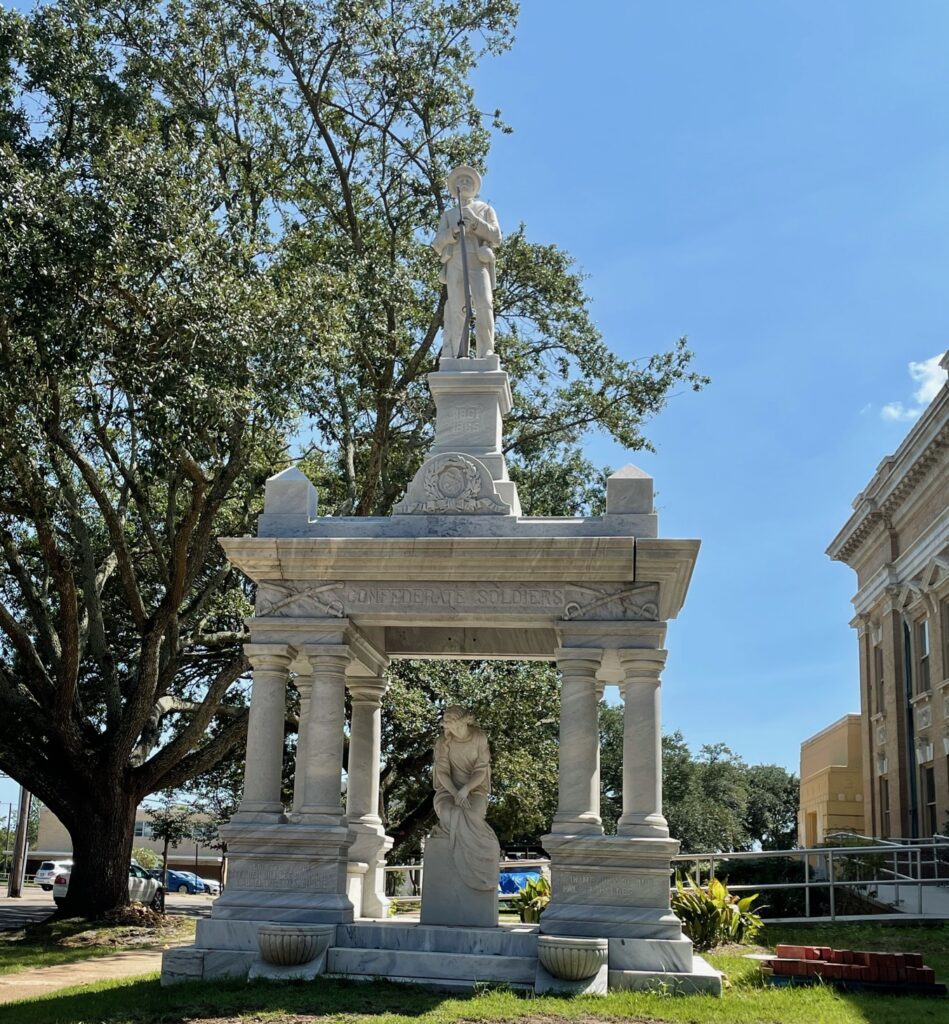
512	881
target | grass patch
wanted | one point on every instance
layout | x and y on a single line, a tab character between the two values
326	1001
51	943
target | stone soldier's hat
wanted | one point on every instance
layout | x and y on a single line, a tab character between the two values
457	172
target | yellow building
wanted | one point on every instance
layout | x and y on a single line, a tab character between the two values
54	843
832	782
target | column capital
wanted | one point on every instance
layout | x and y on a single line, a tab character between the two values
269	657
367	690
327	656
641	664
578	660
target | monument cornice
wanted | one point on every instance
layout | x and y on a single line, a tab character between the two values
502	559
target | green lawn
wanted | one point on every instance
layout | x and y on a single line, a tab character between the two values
63	942
336	1002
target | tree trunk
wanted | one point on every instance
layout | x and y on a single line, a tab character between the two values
102	835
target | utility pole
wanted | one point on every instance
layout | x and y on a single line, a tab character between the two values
18	868
9	836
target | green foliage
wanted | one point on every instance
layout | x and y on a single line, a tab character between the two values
213	218
531	900
713	801
711	916
146	857
171	823
759	871
516	703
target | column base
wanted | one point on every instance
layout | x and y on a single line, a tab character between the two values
369	848
646	826
305	817
610	887
285	872
576	824
265	813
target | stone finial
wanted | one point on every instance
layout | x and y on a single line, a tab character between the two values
629	492
290	493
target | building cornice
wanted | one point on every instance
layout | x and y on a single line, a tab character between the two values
896	478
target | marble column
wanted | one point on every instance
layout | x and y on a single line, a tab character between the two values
304	683
642	744
362	792
365	747
265	731
578	807
321	734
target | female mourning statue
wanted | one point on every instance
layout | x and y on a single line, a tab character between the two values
462	779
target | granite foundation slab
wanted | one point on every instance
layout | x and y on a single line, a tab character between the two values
702	979
457	967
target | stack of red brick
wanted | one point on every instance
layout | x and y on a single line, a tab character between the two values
850	965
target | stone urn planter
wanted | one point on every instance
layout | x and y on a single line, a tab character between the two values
288	945
570	958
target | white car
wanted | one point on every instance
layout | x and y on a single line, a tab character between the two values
48	870
212	886
142	887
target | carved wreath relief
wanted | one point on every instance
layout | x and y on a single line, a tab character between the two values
452	484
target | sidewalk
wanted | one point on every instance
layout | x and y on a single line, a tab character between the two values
43	980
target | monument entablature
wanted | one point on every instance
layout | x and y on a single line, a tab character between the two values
455	572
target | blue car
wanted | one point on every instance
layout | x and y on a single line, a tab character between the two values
179	881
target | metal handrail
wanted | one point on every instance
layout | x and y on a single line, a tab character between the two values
900	870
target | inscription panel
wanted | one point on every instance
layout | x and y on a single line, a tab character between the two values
650	890
570	601
274	873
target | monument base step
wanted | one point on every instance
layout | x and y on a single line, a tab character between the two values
503	940
424	967
703	978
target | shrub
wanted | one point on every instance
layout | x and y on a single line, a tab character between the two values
711	916
531	901
769	871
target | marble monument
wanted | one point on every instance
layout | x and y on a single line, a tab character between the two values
455	572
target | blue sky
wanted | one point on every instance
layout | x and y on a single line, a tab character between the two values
771	179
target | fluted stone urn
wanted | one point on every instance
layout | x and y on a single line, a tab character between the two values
571	958
289	945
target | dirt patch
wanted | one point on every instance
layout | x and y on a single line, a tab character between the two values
130	929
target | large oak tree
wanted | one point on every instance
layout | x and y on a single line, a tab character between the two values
213	217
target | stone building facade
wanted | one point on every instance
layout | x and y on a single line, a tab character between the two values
897	542
832	782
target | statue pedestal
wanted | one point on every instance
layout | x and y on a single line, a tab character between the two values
446	899
471	398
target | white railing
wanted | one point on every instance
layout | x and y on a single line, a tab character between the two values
888	877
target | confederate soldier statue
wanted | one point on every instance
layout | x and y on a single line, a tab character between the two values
467	235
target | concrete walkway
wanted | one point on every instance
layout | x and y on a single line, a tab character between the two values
43	980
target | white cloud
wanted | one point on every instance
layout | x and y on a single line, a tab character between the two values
896	412
930	377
